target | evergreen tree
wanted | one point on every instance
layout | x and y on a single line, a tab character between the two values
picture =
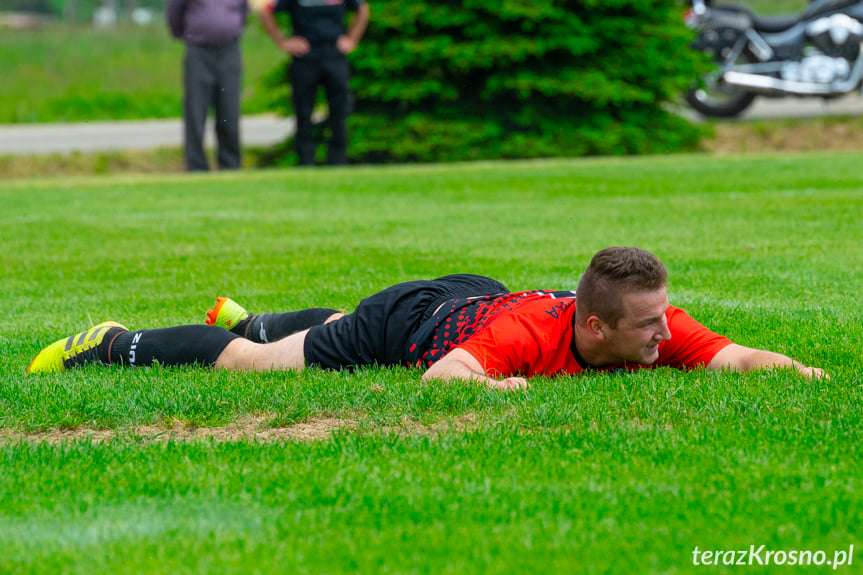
477	79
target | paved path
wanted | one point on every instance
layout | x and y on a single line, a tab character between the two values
775	108
267	130
137	135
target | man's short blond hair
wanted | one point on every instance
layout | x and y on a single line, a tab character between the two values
612	273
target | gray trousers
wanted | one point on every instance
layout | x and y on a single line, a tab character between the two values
212	77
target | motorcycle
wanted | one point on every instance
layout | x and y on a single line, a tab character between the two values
814	53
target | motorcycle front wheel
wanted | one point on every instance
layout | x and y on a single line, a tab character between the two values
717	99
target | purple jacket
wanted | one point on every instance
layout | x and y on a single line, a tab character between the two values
207	22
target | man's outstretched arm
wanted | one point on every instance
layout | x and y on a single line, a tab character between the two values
740	358
459	364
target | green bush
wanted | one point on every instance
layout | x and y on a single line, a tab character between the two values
481	79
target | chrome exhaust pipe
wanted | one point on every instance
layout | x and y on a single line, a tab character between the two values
770	85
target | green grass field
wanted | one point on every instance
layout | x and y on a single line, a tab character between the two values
599	473
82	74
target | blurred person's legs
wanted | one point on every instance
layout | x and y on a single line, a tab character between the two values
304	76
337	85
199	82
229	70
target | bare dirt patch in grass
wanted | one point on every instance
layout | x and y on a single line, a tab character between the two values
247	428
244	429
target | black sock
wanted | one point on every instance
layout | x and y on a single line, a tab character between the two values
268	327
183	345
104	348
242	326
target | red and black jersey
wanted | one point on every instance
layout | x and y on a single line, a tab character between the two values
458	320
538	340
531	333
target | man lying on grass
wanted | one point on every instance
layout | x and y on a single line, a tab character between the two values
464	327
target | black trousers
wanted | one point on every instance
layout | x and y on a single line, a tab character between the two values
379	330
322	66
212	77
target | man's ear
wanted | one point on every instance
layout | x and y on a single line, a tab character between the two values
596	327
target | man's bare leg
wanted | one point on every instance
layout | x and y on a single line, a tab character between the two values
246	355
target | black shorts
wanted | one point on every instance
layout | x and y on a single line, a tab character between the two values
379	330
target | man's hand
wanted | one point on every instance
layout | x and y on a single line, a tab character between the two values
346	44
812	372
508	383
296	46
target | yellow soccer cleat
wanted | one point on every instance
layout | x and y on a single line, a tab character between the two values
76	350
227	313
